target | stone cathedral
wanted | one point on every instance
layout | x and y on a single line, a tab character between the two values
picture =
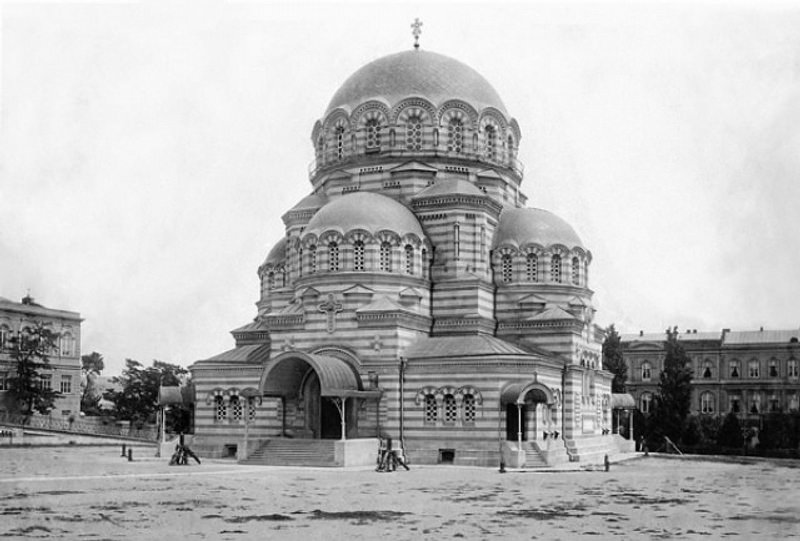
414	295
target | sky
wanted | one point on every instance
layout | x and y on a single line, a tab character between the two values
148	150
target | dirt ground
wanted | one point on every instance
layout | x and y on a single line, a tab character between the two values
93	493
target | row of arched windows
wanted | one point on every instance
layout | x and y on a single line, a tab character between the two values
232	409
535	267
448	405
752	402
65	342
458	131
359	255
753	369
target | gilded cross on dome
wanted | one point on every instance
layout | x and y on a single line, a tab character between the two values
331	308
416	30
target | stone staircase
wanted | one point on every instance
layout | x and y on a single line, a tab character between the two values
592	449
293	452
533	459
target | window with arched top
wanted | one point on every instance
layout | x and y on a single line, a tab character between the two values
67	343
773	368
576	271
555	269
707	369
5	336
512	150
409	253
647	371
490	142
792	369
358	255
270	280
455	135
431	409
735	403
468	406
424	261
373	133
414	132
586	273
220	409
450	409
753	369
333	256
755	402
339	137
312	259
236	409
532	268
386	257
646	402
300	262
707	403
251	408
320	147
734	369
506	268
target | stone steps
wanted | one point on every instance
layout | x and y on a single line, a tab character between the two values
293	452
592	449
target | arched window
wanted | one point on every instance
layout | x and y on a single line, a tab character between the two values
220	409
358	255
312	259
271	280
507	268
5	336
333	257
735	369
586	273
320	148
414	132
773	368
236	409
707	403
450	409
576	271
67	343
386	257
755	402
455	135
646	402
300	262
512	150
646	371
490	142
794	402
532	268
707	373
792	368
251	408
752	369
555	269
409	259
431	411
339	134
468	403
735	402
373	127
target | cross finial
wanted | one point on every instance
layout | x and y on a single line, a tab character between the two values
416	30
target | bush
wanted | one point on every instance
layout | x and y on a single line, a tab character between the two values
730	433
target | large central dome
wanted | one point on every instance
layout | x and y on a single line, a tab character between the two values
416	73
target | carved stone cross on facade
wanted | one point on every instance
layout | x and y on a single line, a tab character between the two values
331	308
377	343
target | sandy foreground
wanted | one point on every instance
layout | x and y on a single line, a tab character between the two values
93	493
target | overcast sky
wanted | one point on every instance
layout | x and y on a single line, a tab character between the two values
150	148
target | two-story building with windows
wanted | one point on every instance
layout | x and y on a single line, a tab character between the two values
64	371
746	372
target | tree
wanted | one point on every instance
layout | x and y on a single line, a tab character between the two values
29	386
730	433
673	400
137	399
613	361
91	366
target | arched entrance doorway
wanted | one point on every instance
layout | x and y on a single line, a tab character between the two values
528	408
319	395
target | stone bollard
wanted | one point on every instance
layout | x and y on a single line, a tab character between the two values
607	463
502	466
123	450
130	455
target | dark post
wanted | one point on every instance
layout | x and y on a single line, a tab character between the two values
123	450
502	466
130	455
607	463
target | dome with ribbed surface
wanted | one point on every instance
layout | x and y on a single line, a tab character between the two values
416	73
364	210
521	226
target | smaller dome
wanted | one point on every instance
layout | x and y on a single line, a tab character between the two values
277	255
520	226
364	210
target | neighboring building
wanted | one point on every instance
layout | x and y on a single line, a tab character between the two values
64	373
414	295
747	372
